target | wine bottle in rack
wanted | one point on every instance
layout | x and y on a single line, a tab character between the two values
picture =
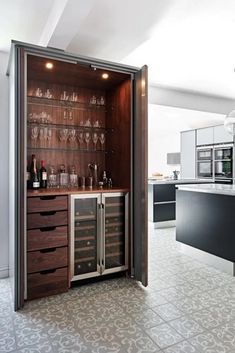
43	175
35	184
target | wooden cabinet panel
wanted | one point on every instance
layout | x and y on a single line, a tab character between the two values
47	203
47	219
45	238
47	259
47	283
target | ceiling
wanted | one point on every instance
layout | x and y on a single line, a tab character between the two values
187	44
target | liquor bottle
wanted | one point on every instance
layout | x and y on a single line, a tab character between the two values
34	174
28	178
104	178
43	176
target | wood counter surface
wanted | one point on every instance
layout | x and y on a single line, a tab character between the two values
59	191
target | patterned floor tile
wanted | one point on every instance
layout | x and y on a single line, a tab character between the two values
168	311
186	327
7	342
182	347
207	342
164	335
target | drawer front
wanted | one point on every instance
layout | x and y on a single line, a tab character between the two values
47	259
164	212
47	219
45	238
47	283
164	193
47	203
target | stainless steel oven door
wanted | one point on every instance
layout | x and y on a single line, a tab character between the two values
204	169
204	154
223	169
223	153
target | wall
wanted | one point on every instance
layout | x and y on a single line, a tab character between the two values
4	175
164	126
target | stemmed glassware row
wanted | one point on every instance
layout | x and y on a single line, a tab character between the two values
72	136
44	135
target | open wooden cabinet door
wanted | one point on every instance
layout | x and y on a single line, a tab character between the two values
17	181
140	179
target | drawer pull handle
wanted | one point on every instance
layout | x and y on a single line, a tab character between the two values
45	272
47	198
48	213
47	229
48	250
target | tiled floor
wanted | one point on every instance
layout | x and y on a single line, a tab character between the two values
187	308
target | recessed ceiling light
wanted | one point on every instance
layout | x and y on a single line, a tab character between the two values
105	76
49	65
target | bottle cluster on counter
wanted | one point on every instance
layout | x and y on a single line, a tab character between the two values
39	178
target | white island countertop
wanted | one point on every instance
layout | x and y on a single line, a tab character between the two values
222	189
152	181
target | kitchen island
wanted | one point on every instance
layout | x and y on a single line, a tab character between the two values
205	223
161	199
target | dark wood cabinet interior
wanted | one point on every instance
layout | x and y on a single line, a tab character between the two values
75	117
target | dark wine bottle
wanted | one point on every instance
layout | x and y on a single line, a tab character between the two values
43	176
28	178
35	184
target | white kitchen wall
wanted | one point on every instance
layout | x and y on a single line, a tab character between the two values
4	175
164	126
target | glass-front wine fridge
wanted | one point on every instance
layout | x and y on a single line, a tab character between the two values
99	234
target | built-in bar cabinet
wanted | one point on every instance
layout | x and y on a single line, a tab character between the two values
76	113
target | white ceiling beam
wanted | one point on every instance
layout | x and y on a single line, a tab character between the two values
53	19
73	14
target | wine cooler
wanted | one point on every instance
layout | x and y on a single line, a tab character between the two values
99	234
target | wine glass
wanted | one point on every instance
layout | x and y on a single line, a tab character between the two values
102	140
80	138
34	134
95	138
63	135
49	135
87	139
72	135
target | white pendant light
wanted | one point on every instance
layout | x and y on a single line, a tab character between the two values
229	123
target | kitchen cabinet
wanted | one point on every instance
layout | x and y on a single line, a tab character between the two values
99	234
188	154
205	136
70	116
221	135
47	246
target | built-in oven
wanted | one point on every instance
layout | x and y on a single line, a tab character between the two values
223	163
205	162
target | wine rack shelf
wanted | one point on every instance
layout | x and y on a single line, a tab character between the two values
66	104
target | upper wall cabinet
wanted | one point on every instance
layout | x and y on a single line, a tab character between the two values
221	135
188	157
205	136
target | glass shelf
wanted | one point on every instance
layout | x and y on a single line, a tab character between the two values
58	103
61	149
69	126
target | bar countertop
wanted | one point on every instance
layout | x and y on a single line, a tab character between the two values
222	189
64	191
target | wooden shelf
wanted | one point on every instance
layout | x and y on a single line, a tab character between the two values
111	235
109	245
85	259
66	104
86	248
70	126
113	214
59	149
114	254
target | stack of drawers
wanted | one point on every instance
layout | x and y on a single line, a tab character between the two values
47	245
